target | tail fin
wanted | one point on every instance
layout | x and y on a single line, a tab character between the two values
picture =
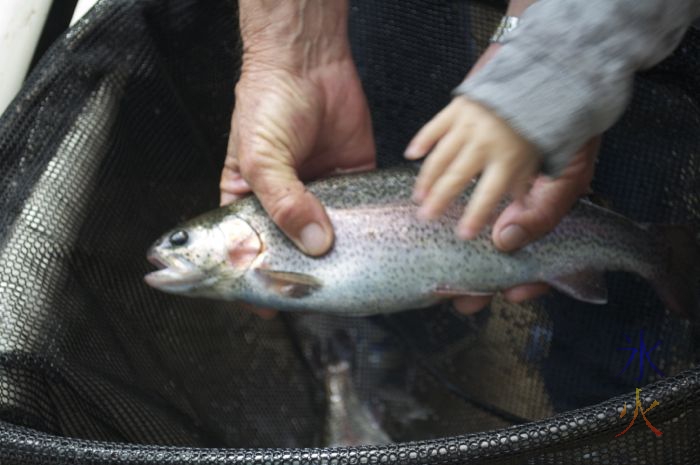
678	284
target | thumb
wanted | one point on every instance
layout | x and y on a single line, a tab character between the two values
297	212
524	221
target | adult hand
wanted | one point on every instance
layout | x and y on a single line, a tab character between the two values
525	221
288	127
300	113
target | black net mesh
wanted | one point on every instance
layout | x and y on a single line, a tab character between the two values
120	133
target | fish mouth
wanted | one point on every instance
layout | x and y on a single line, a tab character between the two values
175	274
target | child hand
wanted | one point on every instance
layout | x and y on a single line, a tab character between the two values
468	139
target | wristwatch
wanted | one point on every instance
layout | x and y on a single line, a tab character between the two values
507	24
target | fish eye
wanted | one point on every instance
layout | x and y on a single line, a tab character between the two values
179	237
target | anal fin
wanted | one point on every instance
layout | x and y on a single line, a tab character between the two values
586	286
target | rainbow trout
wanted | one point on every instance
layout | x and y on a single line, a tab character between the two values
385	260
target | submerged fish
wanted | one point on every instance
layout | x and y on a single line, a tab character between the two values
385	260
349	422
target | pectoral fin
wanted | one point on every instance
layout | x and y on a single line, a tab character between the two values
289	284
587	286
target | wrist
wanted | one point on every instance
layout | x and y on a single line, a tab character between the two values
511	19
485	57
517	7
295	35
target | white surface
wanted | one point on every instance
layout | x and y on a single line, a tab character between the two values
80	9
21	23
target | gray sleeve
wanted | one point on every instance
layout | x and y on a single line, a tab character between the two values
565	73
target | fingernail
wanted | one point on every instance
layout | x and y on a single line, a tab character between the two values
313	239
411	153
236	184
513	237
266	313
466	233
425	214
227	198
234	188
418	196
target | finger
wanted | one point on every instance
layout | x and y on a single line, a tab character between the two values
296	211
355	169
525	292
525	221
452	182
546	204
315	169
435	165
429	134
470	305
264	313
226	198
520	189
233	181
492	186
485	57
232	186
